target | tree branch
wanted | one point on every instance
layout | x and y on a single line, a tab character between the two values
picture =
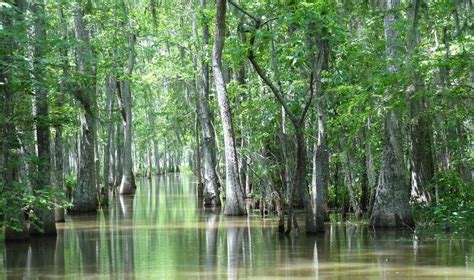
238	7
120	101
310	98
267	80
272	87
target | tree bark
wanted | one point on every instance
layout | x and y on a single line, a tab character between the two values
211	182
126	186
391	207
421	161
58	140
234	197
371	174
320	174
118	154
84	198
108	180
45	217
156	157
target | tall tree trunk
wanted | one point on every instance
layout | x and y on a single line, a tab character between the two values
391	207
370	167
211	182
234	197
113	159
301	186
59	152
421	161
126	186
45	217
108	180
149	165
156	157
84	198
320	176
364	186
118	154
195	161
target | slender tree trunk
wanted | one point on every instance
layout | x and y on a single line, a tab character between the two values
391	206
118	154
149	166
234	197
211	182
46	223
59	152
156	157
196	159
113	158
364	187
371	174
126	186
320	176
421	161
165	158
350	180
108	180
59	155
286	164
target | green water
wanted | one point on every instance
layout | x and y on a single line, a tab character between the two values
162	233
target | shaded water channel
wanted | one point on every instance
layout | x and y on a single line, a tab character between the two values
161	232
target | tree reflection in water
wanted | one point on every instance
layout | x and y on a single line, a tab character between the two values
162	231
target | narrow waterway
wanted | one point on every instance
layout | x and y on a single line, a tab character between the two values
162	233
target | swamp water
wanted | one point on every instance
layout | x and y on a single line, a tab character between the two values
162	233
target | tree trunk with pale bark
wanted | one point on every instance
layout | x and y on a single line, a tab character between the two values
234	204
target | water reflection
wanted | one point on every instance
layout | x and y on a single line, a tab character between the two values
211	220
234	248
162	231
39	257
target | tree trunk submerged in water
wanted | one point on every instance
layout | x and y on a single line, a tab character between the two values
84	198
45	223
59	150
391	207
127	183
108	179
320	174
211	182
234	204
421	161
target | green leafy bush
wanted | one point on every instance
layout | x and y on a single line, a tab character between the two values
455	208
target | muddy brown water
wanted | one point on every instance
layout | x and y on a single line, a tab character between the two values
162	233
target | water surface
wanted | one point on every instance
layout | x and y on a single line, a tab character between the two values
161	232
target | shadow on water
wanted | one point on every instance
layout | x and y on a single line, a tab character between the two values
162	231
